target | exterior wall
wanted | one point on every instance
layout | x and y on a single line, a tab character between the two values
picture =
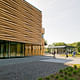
20	22
42	42
32	50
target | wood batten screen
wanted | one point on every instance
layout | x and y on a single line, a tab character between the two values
20	22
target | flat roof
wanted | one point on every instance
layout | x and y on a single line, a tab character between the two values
55	47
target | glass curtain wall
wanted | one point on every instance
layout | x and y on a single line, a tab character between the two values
11	49
4	49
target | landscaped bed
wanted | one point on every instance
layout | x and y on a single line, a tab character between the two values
70	55
69	73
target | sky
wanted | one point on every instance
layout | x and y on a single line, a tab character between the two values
60	18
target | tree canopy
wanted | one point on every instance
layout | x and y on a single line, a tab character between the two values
75	44
59	44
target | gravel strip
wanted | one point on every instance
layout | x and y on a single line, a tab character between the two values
29	70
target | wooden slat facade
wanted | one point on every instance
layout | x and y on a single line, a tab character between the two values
20	22
20	29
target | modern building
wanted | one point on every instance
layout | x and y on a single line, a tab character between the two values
21	32
61	49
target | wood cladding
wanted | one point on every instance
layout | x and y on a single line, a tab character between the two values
20	22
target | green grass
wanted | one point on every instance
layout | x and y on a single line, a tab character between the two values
69	73
70	55
78	65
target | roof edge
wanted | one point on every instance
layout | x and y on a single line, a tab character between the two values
33	6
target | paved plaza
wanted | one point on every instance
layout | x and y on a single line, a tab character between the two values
31	68
60	59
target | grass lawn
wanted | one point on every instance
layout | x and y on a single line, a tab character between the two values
69	73
78	65
70	55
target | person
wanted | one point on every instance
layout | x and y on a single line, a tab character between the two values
66	53
54	54
74	52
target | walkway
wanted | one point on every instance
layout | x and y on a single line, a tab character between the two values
31	68
60	59
28	68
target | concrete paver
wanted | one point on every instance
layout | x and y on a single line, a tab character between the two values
60	59
30	68
4	62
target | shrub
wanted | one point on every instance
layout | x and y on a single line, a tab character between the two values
40	79
57	77
52	75
65	72
74	72
72	79
61	79
66	77
47	78
75	67
67	68
79	74
69	73
61	75
71	69
61	71
78	69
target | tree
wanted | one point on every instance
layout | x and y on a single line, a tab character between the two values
59	44
78	46
75	44
49	49
78	49
45	42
